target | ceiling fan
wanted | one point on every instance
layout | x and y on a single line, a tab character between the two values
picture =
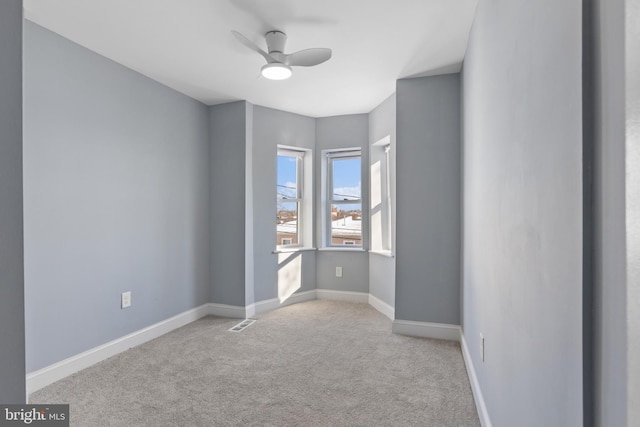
279	64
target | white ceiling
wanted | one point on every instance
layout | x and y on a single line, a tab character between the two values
188	45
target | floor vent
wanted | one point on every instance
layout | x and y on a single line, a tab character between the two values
242	325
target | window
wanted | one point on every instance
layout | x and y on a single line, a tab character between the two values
293	197
343	200
289	191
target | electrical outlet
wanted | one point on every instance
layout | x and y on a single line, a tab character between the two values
125	299
482	347
338	271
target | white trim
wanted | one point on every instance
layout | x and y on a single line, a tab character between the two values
383	142
440	331
249	311
291	250
387	254
481	406
382	306
342	249
48	375
231	311
359	297
337	153
291	151
272	304
269	304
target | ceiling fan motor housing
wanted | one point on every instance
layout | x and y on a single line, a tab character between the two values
275	41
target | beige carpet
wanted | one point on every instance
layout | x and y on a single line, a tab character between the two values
319	363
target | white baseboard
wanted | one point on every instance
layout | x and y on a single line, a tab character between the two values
440	331
249	311
272	304
483	414
231	311
43	377
359	297
48	375
382	307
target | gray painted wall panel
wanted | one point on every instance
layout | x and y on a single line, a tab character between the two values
382	270
523	210
632	130
382	278
343	132
611	280
115	199
428	199
355	271
250	212
228	163
271	128
12	347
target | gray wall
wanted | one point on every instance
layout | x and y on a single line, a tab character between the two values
428	199
382	269
611	280
249	297
522	261
617	211
228	133
333	133
12	349
115	198
271	128
632	130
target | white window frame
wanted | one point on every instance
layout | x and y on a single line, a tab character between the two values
303	197
327	197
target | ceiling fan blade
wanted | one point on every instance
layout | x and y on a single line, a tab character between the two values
308	57
251	45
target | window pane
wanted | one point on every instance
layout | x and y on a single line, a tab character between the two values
346	179
287	177
346	224
287	223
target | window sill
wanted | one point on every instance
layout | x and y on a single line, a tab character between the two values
290	250
387	254
340	249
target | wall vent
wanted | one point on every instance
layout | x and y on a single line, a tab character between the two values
242	325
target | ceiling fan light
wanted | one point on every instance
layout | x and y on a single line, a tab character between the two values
276	71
